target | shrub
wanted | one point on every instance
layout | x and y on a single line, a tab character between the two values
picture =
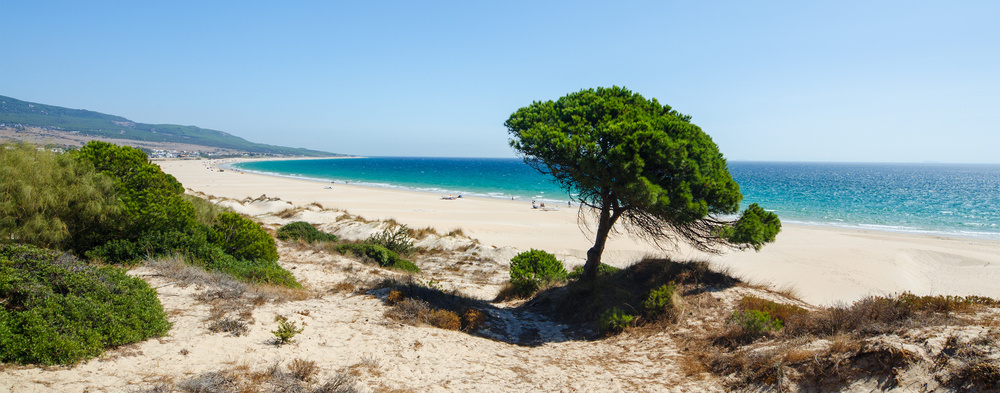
754	323
303	370
257	271
444	319
204	210
472	319
152	200
381	255
397	241
286	330
535	268
52	201
602	270
615	320
232	326
520	289
242	238
394	298
661	299
301	230
58	310
780	312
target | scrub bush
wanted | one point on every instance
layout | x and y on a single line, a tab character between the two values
530	270
242	238
602	270
397	241
59	310
614	320
660	300
381	255
753	323
301	230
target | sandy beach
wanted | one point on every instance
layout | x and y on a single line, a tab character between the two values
822	265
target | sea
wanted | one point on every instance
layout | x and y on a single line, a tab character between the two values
937	199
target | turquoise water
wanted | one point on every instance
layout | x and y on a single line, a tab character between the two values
954	200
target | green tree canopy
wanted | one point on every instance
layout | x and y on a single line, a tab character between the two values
632	159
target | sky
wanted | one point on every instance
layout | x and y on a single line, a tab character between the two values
850	81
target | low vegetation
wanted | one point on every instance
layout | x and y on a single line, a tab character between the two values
56	309
396	240
416	303
530	271
305	232
301	376
109	204
379	254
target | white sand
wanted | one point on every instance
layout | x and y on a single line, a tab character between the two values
348	333
823	265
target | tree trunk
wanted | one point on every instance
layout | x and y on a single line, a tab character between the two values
605	222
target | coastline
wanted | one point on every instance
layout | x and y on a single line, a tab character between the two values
823	265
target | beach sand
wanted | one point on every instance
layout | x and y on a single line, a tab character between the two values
347	333
822	265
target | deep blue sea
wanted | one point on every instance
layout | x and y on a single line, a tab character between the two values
943	199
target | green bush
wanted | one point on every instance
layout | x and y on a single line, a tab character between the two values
53	201
602	270
397	241
536	266
58	310
286	330
615	320
660	299
242	238
152	201
255	271
754	323
381	255
204	210
301	230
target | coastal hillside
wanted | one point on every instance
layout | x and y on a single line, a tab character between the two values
46	123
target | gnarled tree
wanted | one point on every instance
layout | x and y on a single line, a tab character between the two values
634	160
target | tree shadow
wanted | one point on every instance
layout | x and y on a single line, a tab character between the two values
569	312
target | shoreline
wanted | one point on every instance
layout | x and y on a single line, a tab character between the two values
822	264
896	229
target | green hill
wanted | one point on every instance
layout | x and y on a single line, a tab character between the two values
15	112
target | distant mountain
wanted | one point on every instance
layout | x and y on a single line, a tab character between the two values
14	113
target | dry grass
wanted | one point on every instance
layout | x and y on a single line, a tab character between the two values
303	370
421	233
244	379
830	348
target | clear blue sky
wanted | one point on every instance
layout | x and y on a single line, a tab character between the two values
895	81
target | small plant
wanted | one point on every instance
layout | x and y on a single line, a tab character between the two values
444	319
780	312
397	240
394	298
754	323
660	299
232	326
472	319
615	320
301	230
381	255
530	270
303	370
602	270
286	330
